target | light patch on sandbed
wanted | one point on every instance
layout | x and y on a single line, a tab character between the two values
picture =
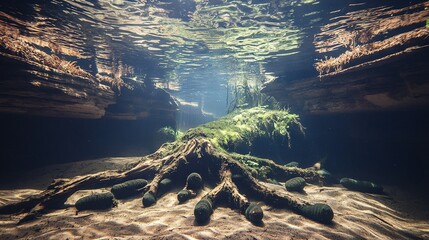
357	215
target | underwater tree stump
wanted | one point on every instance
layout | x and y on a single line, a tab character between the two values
211	150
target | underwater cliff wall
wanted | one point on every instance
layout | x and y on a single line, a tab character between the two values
67	92
361	85
359	57
54	72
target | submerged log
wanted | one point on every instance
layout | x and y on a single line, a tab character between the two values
206	149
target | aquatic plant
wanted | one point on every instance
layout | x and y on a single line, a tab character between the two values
238	131
247	94
168	134
164	135
214	149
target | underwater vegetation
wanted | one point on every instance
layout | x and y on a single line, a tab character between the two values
219	151
248	94
165	134
238	131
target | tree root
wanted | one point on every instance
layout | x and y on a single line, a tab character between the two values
173	160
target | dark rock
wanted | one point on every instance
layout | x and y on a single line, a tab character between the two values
361	186
203	210
194	181
128	188
183	196
148	199
296	184
164	186
318	212
254	213
98	201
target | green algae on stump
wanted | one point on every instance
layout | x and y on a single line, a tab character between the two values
128	188
295	184
210	145
237	131
98	201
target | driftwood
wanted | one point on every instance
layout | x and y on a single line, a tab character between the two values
204	149
359	33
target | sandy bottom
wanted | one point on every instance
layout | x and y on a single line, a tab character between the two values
357	215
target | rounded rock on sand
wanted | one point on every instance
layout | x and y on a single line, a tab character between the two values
98	201
254	213
183	196
128	189
194	181
296	184
148	199
203	210
318	212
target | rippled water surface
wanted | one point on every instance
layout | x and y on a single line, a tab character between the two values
193	48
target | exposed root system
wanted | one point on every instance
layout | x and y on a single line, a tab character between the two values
186	155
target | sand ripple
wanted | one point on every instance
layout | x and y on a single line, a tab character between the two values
357	216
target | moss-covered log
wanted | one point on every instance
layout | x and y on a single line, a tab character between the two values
215	151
